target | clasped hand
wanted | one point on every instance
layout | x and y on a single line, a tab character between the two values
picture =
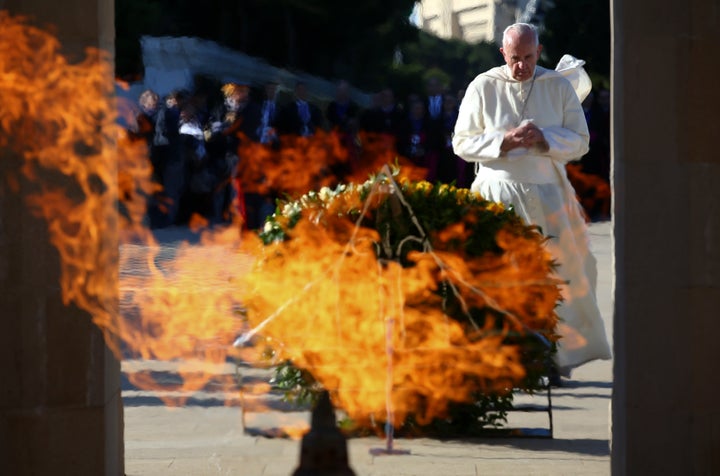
525	135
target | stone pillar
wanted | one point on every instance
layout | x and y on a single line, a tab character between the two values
666	417
60	400
77	23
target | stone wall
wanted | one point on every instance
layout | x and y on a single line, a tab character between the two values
60	400
666	181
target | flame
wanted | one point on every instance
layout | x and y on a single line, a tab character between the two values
310	163
187	309
372	331
593	191
60	119
375	333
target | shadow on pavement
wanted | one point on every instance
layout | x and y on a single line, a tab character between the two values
579	396
584	446
584	384
151	401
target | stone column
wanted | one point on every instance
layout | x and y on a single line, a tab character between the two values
60	400
666	417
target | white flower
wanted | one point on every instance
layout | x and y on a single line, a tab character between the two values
325	194
290	208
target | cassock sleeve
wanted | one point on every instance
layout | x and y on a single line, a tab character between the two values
471	140
568	141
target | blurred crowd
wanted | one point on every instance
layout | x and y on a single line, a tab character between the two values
198	141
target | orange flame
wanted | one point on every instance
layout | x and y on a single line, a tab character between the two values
60	119
57	117
310	163
373	332
593	191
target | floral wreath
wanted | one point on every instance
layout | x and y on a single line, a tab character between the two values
459	256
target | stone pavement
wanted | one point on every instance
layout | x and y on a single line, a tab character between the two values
206	437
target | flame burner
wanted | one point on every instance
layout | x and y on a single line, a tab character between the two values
389	428
323	449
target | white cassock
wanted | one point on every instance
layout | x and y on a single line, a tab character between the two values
536	185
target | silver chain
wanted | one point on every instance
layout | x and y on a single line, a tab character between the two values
522	113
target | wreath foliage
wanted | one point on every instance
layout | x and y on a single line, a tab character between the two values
470	261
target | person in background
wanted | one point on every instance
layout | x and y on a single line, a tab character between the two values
238	120
413	134
521	124
149	103
300	117
385	117
169	159
194	191
141	129
434	126
451	168
434	99
342	112
268	115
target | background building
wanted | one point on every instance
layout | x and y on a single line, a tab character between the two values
475	21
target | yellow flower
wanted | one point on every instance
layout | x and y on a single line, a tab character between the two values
423	186
496	207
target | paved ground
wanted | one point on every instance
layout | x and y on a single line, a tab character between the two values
206	437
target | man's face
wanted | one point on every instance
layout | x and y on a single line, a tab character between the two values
521	55
149	105
434	87
236	99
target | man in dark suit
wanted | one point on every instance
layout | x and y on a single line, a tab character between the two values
385	117
435	126
267	131
342	112
434	100
300	117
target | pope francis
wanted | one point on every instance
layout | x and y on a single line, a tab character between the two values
521	123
